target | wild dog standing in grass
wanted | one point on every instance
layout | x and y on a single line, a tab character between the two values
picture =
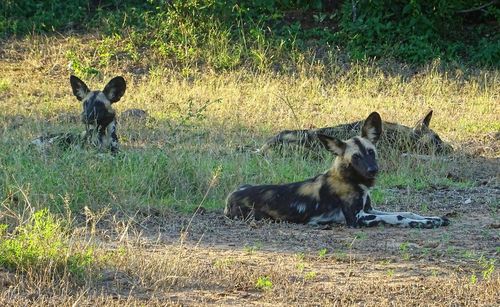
420	139
98	116
340	195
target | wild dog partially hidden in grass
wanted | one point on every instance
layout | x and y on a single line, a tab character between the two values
340	195
98	116
420	139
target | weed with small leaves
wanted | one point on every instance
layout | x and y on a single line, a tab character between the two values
264	283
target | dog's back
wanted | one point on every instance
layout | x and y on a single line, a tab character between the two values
418	139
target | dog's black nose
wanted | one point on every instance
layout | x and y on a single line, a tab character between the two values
372	170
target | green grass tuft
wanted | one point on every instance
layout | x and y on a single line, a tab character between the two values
40	244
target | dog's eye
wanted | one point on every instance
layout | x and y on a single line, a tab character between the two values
356	156
371	152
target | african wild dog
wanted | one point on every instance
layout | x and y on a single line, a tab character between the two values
419	139
339	195
98	116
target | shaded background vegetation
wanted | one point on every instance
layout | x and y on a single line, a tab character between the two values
265	33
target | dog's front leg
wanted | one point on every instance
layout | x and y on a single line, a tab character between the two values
87	137
111	131
394	219
350	215
405	214
100	138
438	221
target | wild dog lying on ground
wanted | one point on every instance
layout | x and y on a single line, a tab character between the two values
98	116
340	195
419	139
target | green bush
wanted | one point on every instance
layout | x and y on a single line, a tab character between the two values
418	31
224	34
42	244
24	16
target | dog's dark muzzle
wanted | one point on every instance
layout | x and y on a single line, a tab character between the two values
372	171
368	169
97	115
89	118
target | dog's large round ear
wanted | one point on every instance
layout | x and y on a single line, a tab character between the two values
115	89
372	127
424	122
80	89
332	144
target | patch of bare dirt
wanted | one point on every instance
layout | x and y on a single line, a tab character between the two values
207	259
472	211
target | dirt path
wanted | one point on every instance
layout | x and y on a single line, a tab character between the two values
473	212
218	261
207	259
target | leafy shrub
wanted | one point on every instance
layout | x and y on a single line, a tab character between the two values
23	16
417	31
224	34
39	244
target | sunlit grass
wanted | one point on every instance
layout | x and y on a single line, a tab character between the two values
208	121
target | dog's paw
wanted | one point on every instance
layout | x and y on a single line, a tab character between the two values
445	221
433	222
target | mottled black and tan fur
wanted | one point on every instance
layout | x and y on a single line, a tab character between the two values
419	139
97	114
340	195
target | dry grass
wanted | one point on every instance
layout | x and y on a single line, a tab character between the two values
192	152
138	265
465	105
143	272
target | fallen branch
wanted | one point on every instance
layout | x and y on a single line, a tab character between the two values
477	8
